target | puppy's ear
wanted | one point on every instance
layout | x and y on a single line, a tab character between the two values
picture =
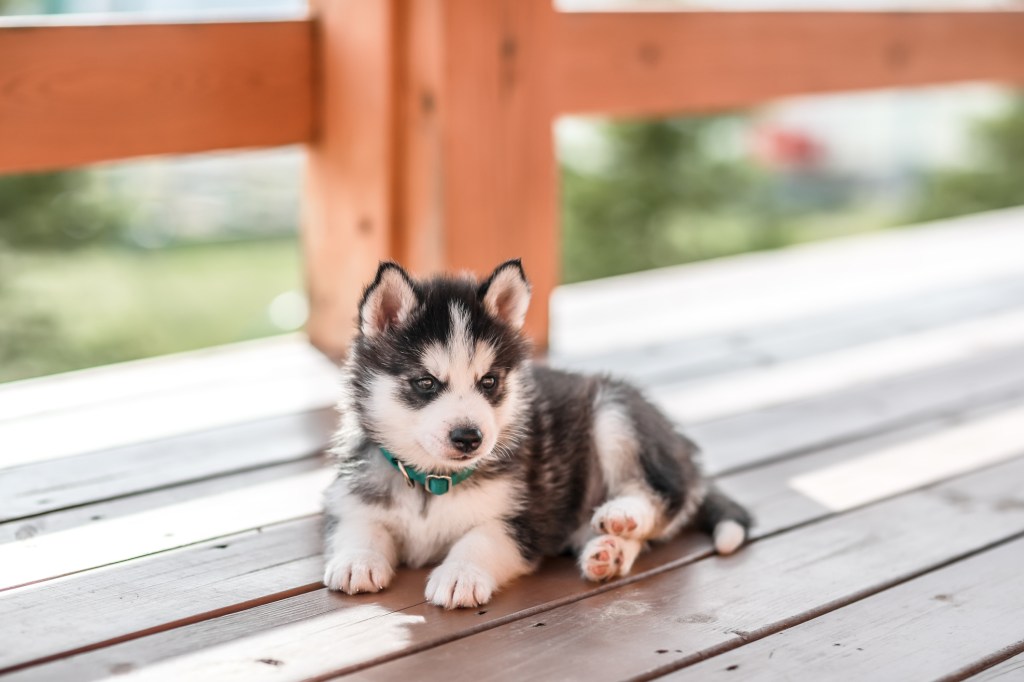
388	301
506	293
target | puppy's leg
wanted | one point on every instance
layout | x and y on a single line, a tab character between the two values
481	562
608	556
360	554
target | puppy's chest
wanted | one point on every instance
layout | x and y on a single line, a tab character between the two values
426	531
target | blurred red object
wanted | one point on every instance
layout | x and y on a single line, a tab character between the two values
787	149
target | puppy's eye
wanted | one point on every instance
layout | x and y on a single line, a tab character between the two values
425	384
489	382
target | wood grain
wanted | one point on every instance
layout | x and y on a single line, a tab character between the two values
657	64
709	607
766	490
349	201
72	95
920	630
478	170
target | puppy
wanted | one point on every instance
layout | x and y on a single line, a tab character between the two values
454	448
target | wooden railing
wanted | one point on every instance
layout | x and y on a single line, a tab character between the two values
428	122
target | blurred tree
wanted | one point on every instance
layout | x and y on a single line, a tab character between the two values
997	181
625	215
55	211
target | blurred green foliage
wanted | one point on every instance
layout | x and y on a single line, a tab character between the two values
660	197
59	210
61	311
995	180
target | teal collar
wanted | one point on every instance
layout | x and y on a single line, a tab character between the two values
433	483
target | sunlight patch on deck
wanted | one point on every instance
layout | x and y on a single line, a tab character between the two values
157	530
293	652
916	463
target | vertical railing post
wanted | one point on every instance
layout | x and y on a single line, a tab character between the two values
349	221
479	177
435	148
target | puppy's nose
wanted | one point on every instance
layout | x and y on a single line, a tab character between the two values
466	440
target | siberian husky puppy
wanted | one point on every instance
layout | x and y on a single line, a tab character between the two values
455	448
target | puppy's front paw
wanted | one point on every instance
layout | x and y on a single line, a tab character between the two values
601	559
456	585
355	572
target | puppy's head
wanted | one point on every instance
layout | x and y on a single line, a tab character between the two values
437	365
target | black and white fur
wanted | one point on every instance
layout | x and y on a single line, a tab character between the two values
565	462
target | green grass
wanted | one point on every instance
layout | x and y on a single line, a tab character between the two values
61	311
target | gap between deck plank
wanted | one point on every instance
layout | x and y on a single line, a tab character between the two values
1007	670
778	507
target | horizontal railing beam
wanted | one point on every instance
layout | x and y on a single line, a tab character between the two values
73	95
658	64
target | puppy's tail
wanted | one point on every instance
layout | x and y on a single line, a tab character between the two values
725	520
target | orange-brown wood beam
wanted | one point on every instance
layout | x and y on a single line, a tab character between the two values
478	182
72	95
435	149
350	196
656	64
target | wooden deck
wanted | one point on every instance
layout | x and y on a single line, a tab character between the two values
864	397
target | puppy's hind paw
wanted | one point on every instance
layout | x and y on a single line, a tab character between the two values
355	572
626	517
458	585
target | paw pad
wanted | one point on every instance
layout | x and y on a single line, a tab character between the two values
602	558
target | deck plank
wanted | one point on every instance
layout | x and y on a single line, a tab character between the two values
921	630
710	607
49	486
746	439
109	541
767	490
862	365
